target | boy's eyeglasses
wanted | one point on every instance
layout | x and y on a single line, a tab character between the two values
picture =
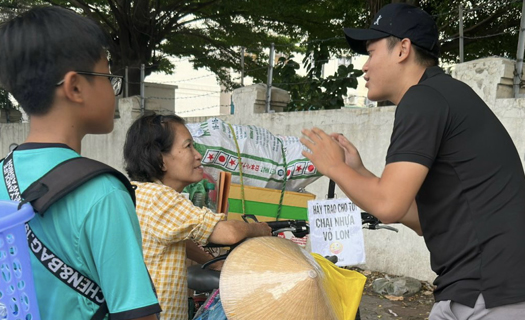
116	81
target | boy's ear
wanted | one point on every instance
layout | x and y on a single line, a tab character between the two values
73	87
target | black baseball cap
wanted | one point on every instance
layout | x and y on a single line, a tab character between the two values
400	20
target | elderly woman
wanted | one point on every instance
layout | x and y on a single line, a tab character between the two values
160	160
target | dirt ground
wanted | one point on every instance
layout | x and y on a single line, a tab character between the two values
375	306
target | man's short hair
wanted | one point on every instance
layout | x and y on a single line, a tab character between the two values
147	139
39	47
423	57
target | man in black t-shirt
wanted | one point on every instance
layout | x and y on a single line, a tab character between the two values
452	171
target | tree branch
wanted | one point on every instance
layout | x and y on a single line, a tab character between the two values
91	12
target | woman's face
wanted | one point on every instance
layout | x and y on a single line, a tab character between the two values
182	165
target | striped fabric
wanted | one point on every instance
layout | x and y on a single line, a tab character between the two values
167	219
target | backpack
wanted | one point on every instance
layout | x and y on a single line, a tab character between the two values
66	177
53	186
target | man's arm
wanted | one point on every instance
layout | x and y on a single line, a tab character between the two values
352	156
389	197
233	231
353	160
411	219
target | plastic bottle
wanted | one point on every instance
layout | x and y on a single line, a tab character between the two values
199	199
208	177
211	198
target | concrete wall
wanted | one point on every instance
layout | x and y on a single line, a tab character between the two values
402	253
162	95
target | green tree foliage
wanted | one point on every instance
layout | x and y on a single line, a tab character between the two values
313	92
491	28
210	33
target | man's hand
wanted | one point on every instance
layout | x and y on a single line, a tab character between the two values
352	157
325	152
335	157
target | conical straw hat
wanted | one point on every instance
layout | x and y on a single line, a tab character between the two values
273	278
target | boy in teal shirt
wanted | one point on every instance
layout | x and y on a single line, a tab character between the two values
54	62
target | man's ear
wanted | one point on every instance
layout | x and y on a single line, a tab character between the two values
73	87
404	49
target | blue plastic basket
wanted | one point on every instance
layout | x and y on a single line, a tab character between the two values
17	291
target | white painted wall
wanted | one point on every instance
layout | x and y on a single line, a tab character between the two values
162	95
198	92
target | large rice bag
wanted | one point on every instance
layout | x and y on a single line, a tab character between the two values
262	158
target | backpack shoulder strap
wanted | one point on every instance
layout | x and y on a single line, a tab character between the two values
66	177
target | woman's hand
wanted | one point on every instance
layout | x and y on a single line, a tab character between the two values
261	229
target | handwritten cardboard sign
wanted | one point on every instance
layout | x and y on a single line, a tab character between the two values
336	229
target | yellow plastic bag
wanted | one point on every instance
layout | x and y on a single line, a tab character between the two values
344	288
269	278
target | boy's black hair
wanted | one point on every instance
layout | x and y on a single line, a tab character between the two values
39	47
146	140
